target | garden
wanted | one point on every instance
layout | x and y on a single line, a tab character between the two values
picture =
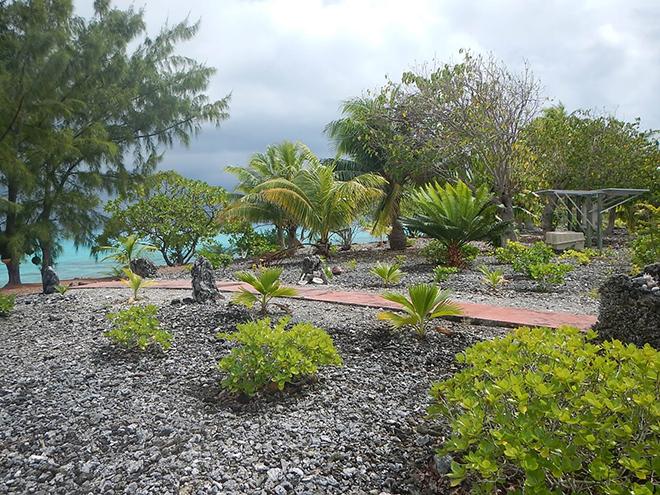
292	359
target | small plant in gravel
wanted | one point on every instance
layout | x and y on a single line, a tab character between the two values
493	278
267	283
537	254
352	264
423	303
274	355
7	302
62	289
138	327
549	273
441	273
583	257
390	274
135	282
511	251
400	259
549	411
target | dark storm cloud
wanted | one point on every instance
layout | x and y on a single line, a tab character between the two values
290	63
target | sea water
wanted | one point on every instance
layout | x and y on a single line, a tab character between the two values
79	262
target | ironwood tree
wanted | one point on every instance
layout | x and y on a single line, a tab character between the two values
87	106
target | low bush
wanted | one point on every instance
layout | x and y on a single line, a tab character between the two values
216	254
583	257
424	303
7	302
646	243
274	355
548	273
537	253
441	273
535	261
436	253
510	252
138	327
390	274
549	411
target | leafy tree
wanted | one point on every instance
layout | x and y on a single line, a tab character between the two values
454	216
470	117
171	212
79	99
281	161
320	202
581	150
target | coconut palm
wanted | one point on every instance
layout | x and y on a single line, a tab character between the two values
320	202
282	161
127	249
454	215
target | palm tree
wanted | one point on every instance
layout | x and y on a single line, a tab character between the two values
454	215
350	136
282	161
320	202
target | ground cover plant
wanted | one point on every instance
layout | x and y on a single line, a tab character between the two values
549	411
537	261
389	274
267	284
441	273
493	278
423	303
7	302
275	355
138	327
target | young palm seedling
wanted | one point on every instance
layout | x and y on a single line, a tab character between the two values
389	274
267	284
61	289
135	282
423	303
492	278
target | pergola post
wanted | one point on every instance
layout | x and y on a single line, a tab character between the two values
599	222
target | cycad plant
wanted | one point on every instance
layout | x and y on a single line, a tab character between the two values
390	274
127	249
267	284
135	282
454	215
492	278
423	303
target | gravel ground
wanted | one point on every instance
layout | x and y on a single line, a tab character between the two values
577	295
80	416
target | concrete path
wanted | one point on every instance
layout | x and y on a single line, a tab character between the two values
472	312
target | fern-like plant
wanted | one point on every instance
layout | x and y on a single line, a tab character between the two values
135	282
492	278
390	274
267	284
423	303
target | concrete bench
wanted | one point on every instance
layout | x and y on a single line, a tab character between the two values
565	240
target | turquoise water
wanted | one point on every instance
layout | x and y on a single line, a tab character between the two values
80	263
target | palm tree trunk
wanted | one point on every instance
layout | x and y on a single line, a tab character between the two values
397	236
455	255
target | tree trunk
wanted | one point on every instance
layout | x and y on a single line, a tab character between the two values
611	218
13	273
397	236
547	218
508	216
46	254
279	232
291	237
455	256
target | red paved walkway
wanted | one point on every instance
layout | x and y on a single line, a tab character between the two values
478	313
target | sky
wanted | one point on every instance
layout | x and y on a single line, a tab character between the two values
289	64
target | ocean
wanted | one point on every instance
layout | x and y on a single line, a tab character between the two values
80	263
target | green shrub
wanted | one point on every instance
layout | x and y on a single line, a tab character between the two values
352	264
552	412
537	253
436	253
646	243
441	273
248	243
216	254
389	274
266	283
548	273
7	302
138	327
424	303
583	257
274	355
510	252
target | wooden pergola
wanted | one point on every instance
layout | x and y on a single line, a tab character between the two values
586	208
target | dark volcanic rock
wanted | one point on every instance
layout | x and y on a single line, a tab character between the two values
49	280
630	308
144	268
203	281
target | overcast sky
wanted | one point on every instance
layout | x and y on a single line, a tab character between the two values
290	63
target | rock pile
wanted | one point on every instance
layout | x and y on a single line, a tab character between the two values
312	271
630	308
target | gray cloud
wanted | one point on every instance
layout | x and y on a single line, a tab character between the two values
290	63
